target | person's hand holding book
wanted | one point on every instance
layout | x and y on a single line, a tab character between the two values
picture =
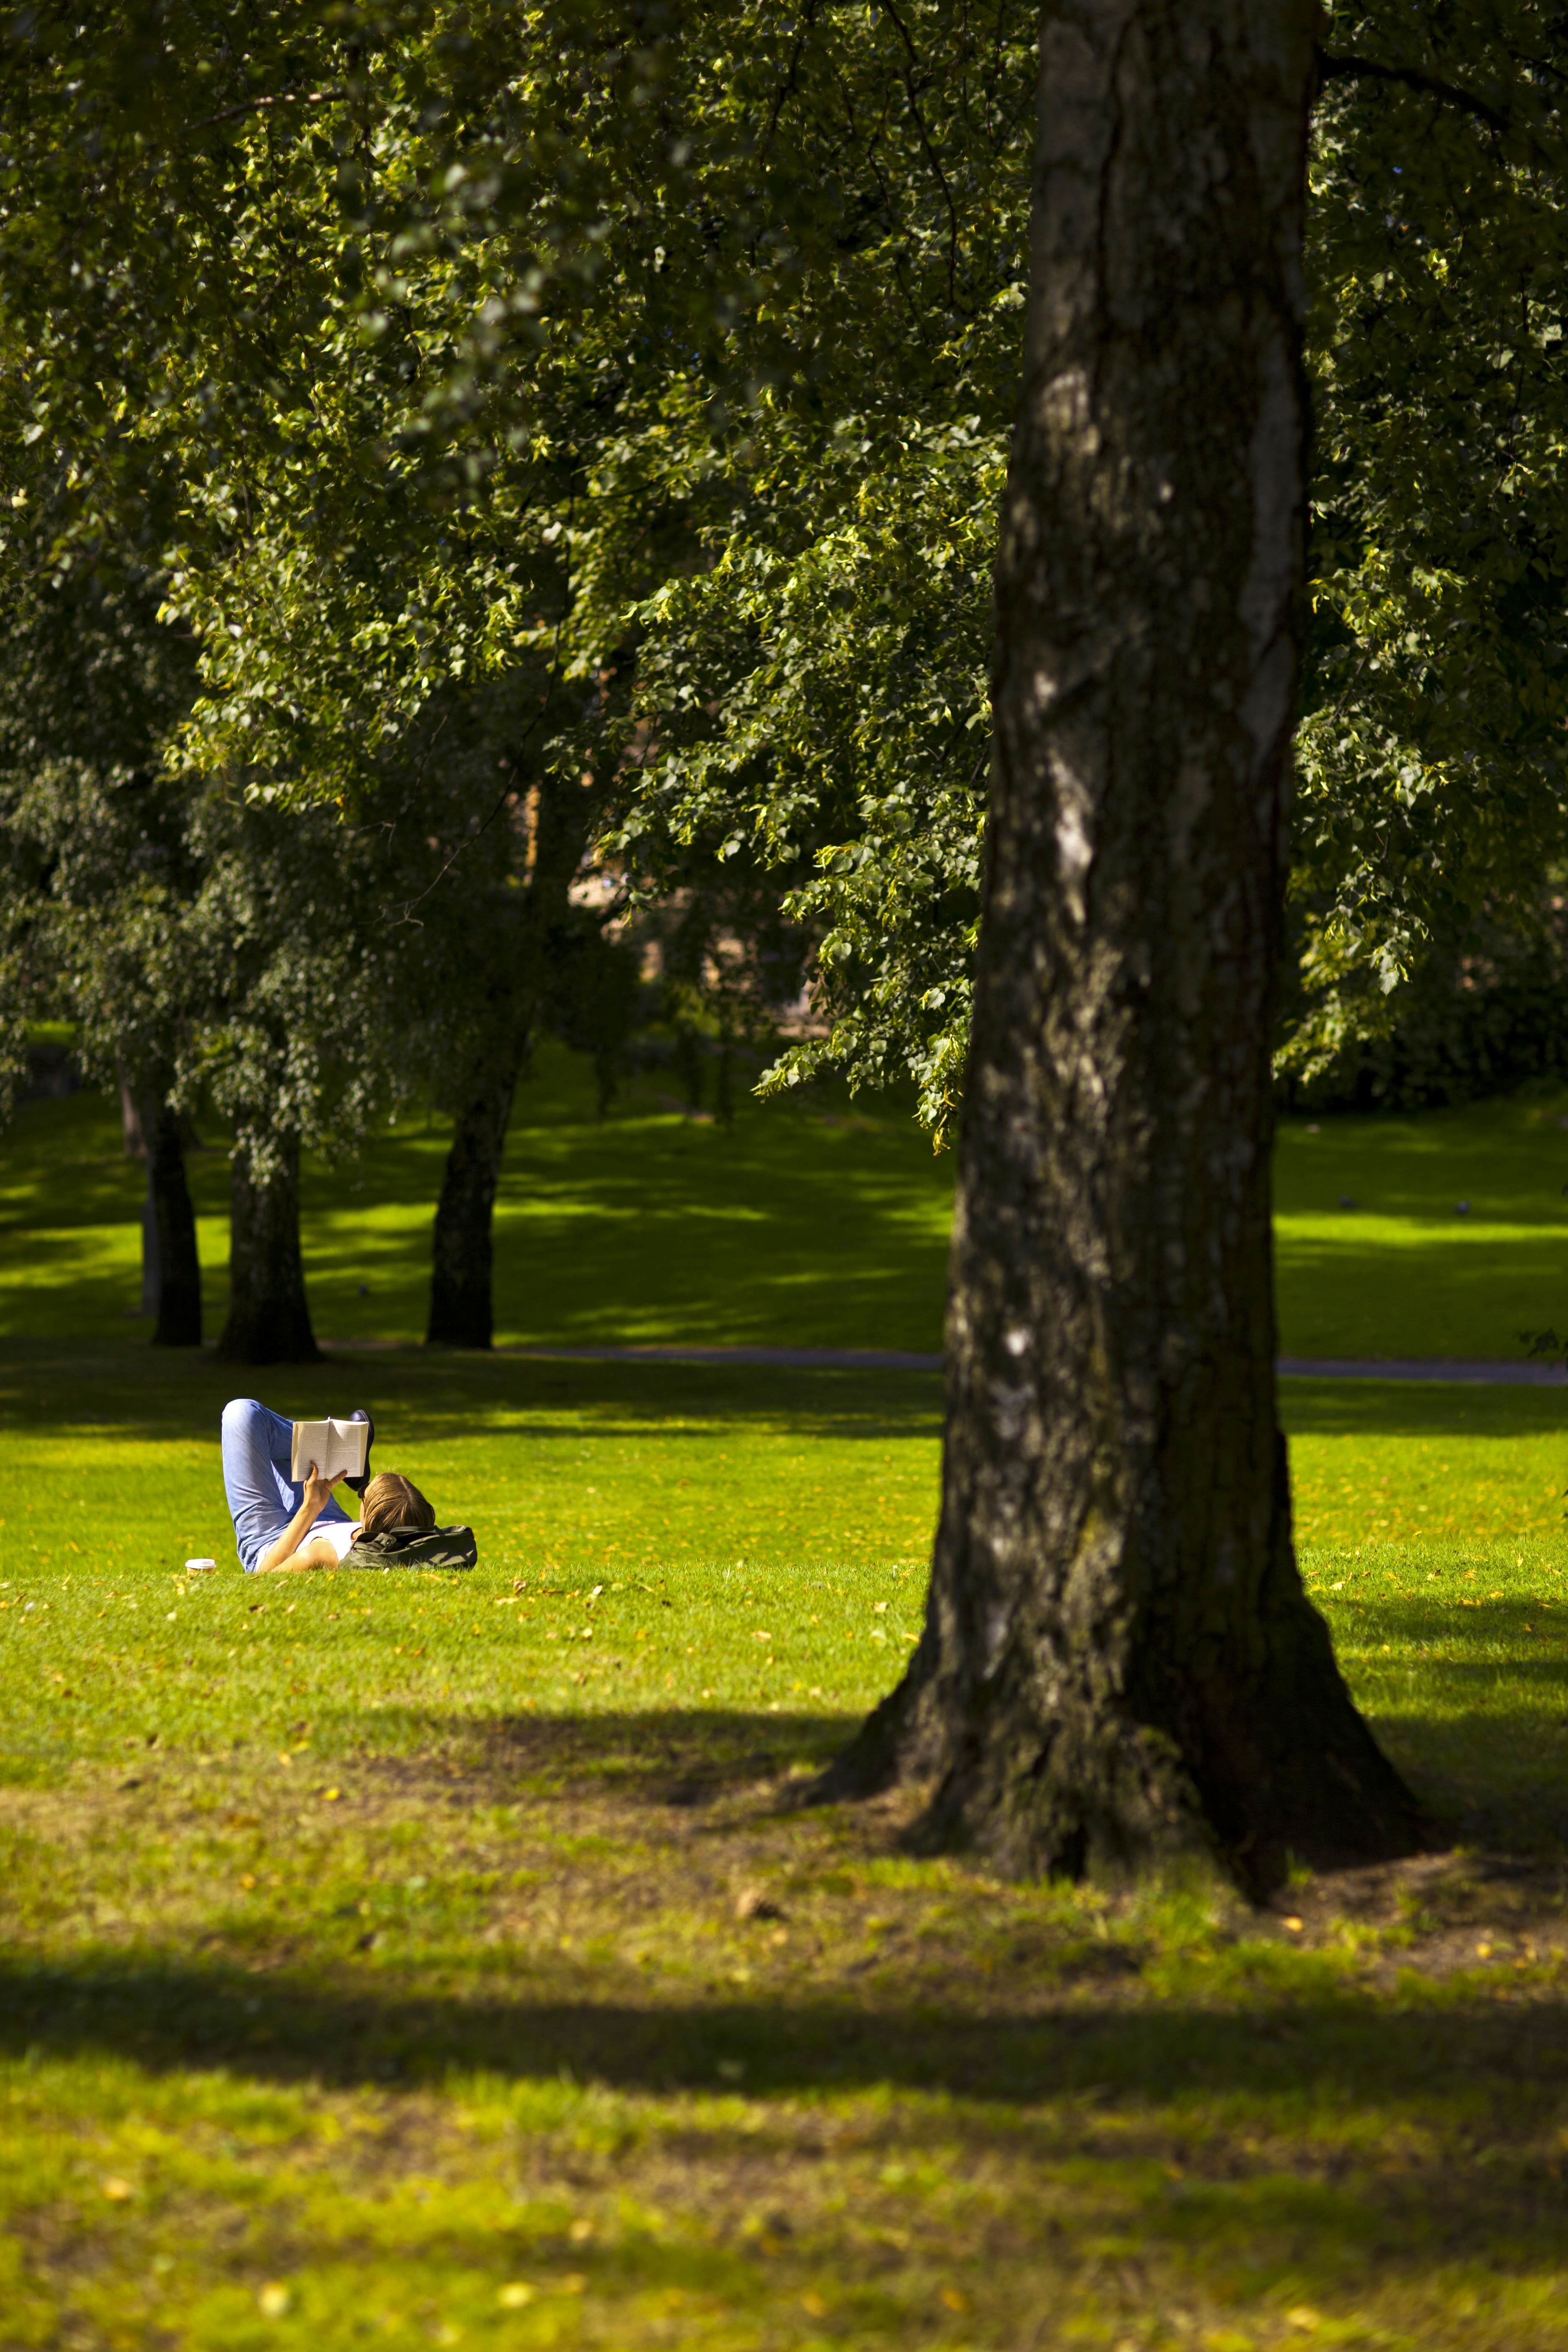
317	1494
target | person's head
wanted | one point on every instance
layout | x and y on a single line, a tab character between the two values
391	1500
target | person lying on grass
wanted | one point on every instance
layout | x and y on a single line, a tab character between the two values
390	1500
283	1523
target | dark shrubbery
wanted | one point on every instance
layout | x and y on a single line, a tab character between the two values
1471	1022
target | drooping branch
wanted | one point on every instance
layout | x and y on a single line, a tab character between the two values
1337	65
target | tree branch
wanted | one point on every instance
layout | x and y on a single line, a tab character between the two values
1340	66
255	105
786	88
932	158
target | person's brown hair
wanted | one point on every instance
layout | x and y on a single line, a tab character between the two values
391	1500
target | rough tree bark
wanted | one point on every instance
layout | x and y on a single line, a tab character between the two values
1119	1663
460	1298
269	1315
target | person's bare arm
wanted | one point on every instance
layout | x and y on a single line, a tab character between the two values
289	1548
315	1552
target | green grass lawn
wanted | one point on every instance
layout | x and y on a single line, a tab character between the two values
641	1226
1404	1271
804	1224
443	1960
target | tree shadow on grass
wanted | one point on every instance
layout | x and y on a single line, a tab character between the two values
1498	1781
164	2011
1386	1408
1472	1704
1489	1776
145	1394
1079	2085
1361	2098
681	1756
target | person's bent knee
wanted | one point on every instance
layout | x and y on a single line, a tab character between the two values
249	1473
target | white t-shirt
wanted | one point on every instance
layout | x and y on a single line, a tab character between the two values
339	1533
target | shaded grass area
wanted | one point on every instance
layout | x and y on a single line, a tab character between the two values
806	1223
481	2049
399	1960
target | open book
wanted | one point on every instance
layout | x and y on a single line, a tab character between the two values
337	1448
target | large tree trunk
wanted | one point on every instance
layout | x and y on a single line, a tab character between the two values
269	1317
1119	1663
460	1304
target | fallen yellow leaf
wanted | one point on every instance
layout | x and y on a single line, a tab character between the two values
274	2300
516	2294
116	2189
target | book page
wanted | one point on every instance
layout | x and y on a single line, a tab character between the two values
336	1448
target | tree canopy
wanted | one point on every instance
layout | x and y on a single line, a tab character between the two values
674	352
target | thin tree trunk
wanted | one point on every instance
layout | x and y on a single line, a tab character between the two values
178	1305
171	1271
1119	1663
461	1312
151	1264
135	1127
131	1121
269	1315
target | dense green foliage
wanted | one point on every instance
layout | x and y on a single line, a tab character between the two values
669	358
95	872
235	957
1434	795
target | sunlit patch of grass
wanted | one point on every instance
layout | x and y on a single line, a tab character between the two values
1377	1461
1439	1234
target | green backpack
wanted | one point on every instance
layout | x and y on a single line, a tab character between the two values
414	1548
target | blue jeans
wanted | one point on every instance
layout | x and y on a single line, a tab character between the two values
262	1498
